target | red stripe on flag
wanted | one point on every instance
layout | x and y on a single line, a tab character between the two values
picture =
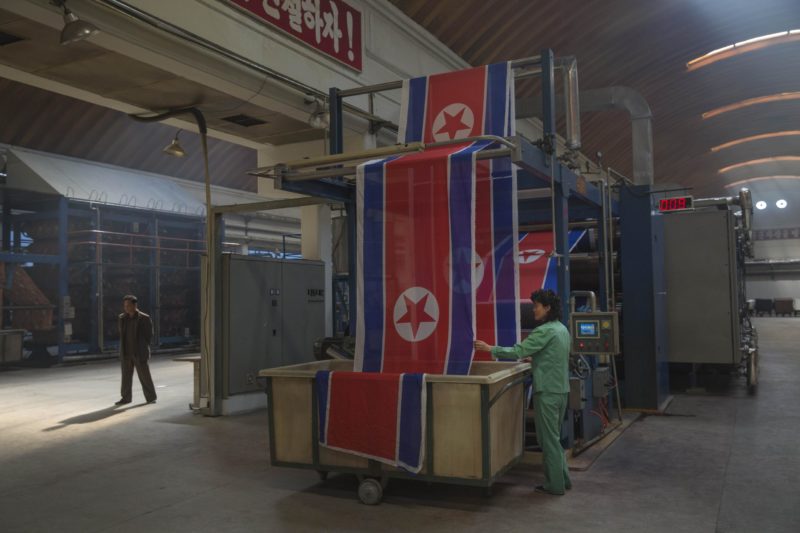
455	105
417	268
534	252
362	413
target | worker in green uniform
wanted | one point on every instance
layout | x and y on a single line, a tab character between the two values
548	347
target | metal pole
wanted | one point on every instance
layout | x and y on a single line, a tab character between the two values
336	146
155	277
63	274
602	249
560	193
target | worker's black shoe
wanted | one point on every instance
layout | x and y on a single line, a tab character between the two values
122	402
540	488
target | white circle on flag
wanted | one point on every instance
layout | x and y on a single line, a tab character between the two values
453	122
416	314
530	256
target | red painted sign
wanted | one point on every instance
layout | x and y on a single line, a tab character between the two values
330	26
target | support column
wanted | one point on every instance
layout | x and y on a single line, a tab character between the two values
560	192
63	273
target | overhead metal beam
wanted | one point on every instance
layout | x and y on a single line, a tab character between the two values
268	205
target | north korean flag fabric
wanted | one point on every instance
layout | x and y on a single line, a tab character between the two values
377	416
417	270
436	247
537	269
468	103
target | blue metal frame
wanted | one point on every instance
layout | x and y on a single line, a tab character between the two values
575	199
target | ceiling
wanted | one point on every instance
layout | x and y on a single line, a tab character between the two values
49	122
646	45
115	76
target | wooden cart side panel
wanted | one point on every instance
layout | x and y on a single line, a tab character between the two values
291	399
328	457
505	428
457	430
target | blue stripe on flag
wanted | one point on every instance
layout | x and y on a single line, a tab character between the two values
462	172
505	285
415	119
411	420
496	99
372	253
321	380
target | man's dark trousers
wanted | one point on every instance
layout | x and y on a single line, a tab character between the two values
143	370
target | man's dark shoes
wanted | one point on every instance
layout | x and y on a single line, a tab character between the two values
540	488
152	401
122	402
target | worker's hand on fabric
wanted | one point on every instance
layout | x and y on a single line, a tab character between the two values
482	346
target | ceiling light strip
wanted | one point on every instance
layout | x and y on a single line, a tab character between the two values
752	138
742	47
752	162
780	97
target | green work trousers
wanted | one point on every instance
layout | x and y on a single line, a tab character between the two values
549	411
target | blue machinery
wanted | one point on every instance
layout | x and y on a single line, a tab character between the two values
572	199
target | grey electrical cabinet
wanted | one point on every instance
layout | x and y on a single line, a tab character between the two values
273	311
702	297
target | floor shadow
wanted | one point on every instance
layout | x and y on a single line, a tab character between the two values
94	416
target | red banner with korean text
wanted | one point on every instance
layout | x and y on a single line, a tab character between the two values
332	27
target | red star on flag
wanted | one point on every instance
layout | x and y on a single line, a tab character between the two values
415	314
453	124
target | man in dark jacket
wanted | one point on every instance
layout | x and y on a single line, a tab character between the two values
135	334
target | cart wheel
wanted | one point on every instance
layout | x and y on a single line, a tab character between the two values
323	475
370	492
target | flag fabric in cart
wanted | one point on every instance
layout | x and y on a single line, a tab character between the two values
391	409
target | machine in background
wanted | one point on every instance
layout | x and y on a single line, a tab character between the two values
706	243
261	301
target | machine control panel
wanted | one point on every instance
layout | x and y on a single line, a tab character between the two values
594	333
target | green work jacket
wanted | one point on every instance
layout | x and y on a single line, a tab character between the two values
548	347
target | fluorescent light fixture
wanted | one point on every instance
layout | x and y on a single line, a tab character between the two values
779	159
742	47
781	204
780	97
761	38
761	204
752	138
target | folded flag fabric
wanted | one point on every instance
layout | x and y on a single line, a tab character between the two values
389	412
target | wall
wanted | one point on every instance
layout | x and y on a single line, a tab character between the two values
782	286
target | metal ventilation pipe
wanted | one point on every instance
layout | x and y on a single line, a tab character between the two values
641	124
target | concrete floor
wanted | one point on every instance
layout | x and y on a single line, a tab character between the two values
70	461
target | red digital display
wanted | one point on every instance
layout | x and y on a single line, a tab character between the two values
675	204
